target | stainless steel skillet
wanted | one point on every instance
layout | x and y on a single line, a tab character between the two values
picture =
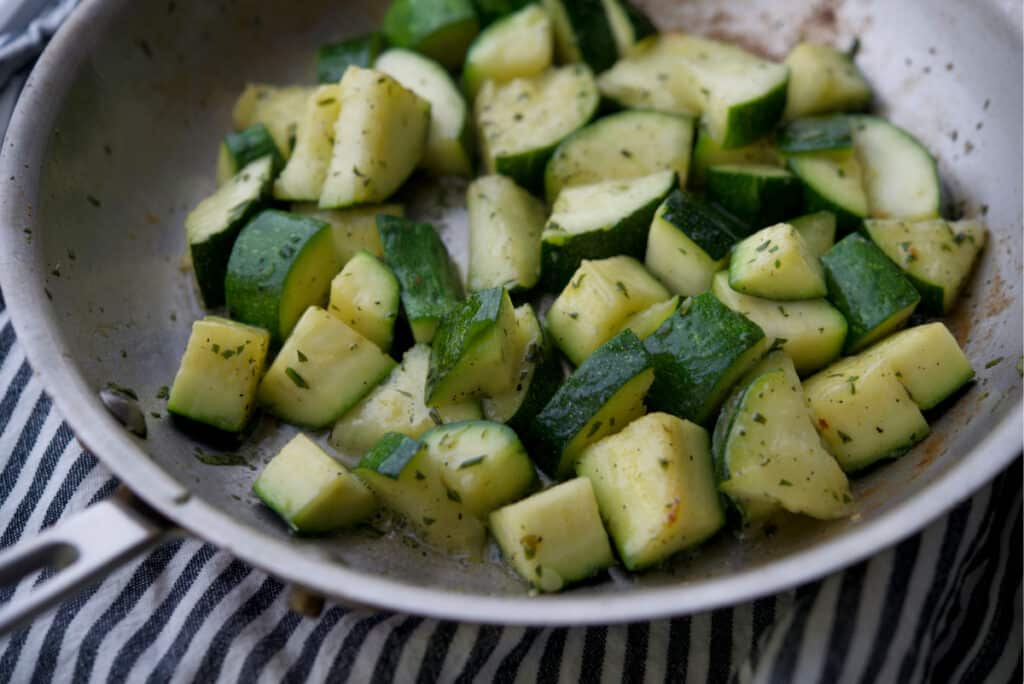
114	140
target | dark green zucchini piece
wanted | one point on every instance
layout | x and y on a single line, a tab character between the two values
759	195
241	148
583	33
440	29
492	10
332	60
816	134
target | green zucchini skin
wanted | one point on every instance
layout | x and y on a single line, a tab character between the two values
697	355
816	134
246	146
429	281
590	33
868	289
757	196
440	29
261	263
712	228
749	123
579	399
492	10
547	378
390	455
333	59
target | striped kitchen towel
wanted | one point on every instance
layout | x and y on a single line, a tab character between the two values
943	606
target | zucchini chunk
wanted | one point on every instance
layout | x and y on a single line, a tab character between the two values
689	241
818	230
303	176
365	296
554	537
483	463
430	284
901	179
626	145
817	134
219	373
449	142
833	182
313	493
334	59
928	361
776	263
408	481
707	153
646	322
397	405
936	255
439	29
600	398
278	108
600	220
241	148
379	139
280	265
494	10
650	77
767	453
655	488
629	24
212	228
505	225
582	33
354	229
540	374
823	79
760	195
596	304
521	122
519	45
474	353
698	354
810	332
323	370
868	289
863	412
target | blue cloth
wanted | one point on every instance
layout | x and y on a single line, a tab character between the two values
944	605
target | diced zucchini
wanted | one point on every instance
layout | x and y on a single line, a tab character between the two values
600	220
555	537
219	373
354	229
817	134
474	351
303	176
936	255
689	241
280	265
646	322
241	148
928	361
449	142
379	138
332	60
365	296
707	153
323	370
313	493
430	284
901	178
655	488
767	453
758	194
818	230
629	24
863	412
600	398
440	29
540	374
698	354
494	10
398	405
868	289
626	145
810	332
582	33
521	122
278	108
483	463
776	263
823	79
212	228
650	78
519	45
601	296
505	225
833	182
408	481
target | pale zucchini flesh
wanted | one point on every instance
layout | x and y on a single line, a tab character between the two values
901	178
776	263
280	109
505	226
516	46
365	296
353	230
822	80
303	176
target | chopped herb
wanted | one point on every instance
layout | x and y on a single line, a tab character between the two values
302	357
626	153
155	415
163	392
785	483
294	376
420	476
428	521
453	495
469	463
529	542
122	390
778	263
404	393
759	418
593	429
663	462
763	246
435	416
846	439
994	362
622	288
215	348
782	310
93	201
228	459
574	315
228	353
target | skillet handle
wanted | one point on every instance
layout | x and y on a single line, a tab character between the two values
79	550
